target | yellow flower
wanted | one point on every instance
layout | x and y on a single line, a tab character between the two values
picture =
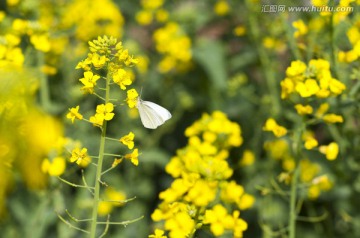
323	108
162	15
221	8
331	151
98	61
310	143
217	218
104	208
301	28
144	17
41	42
287	87
79	156
296	68
131	99
122	78
89	81
239	30
248	158
336	86
106	110
333	118
180	225
246	201
303	110
307	88
56	167
133	157
158	234
271	125
128	140
231	192
74	113
97	119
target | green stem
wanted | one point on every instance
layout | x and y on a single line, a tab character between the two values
294	182
99	167
293	194
264	58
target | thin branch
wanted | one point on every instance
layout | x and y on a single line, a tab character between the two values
313	219
106	227
73	184
74	218
71	225
124	223
84	181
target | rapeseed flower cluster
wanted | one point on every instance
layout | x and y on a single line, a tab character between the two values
202	188
84	13
105	54
151	10
175	46
309	81
336	16
311	176
28	135
353	35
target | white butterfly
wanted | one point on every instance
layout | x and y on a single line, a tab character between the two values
151	114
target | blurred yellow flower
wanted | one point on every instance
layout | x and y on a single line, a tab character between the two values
56	167
333	118
303	109
331	151
301	28
271	125
158	234
248	158
221	7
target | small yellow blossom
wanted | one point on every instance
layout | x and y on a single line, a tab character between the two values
131	99
89	81
239	30
271	125
248	158
106	110
97	119
128	140
122	78
296	68
310	143
79	156
301	28
74	113
221	7
323	108
331	151
41	42
333	118
303	110
308	88
144	17
133	157
158	234
98	60
56	167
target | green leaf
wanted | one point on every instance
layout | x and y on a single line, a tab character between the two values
210	54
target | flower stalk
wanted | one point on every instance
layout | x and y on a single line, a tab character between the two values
99	166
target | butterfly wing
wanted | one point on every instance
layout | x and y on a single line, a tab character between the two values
151	114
